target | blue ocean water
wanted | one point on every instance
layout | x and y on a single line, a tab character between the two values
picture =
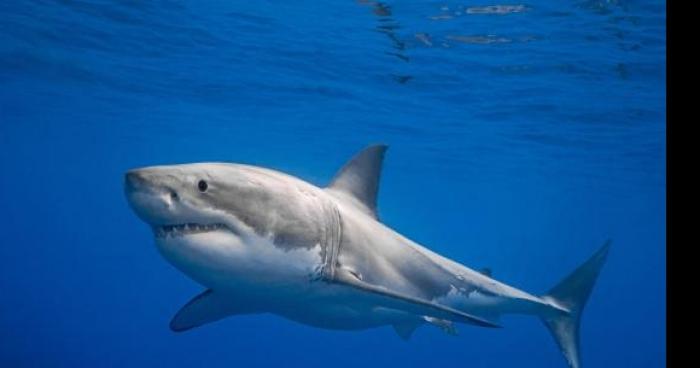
522	136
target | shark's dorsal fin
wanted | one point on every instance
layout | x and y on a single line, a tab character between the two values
359	178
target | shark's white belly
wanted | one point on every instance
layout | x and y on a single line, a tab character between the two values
221	260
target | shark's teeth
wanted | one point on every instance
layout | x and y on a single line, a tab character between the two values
184	229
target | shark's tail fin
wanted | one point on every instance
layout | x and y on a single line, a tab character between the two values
571	294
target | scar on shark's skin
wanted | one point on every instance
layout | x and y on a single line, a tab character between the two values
261	241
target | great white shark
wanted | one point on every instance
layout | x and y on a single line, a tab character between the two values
261	241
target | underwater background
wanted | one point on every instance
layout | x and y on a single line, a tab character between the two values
522	136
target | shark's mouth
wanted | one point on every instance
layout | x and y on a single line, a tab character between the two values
172	231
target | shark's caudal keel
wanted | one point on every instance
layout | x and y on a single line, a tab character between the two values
261	241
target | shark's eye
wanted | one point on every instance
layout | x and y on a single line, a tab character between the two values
202	185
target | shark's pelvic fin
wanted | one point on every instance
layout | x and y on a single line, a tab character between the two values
202	309
443	324
359	178
571	294
486	272
406	329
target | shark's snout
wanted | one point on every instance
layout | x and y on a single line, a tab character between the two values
150	180
149	199
133	180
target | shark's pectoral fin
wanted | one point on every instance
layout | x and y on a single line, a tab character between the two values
204	308
408	303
